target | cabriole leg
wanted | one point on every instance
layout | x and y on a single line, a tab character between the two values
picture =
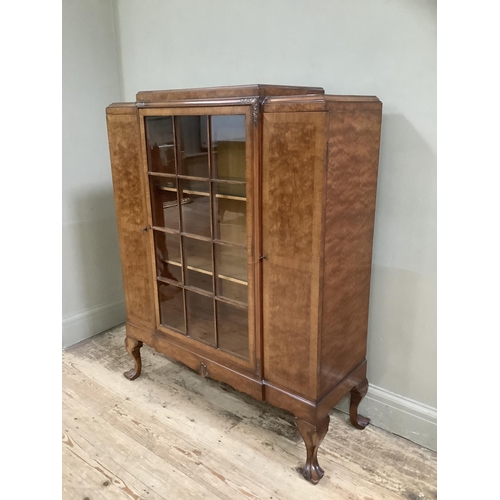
357	394
313	436
133	347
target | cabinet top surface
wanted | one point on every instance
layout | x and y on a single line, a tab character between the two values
257	90
269	93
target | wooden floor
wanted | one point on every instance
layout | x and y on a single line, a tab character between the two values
171	434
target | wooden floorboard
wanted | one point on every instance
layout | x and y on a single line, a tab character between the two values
171	434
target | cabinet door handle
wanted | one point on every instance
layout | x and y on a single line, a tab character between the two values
142	230
262	257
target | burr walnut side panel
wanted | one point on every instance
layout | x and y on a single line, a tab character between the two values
353	152
124	147
292	182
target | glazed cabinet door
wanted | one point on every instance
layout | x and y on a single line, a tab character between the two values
198	165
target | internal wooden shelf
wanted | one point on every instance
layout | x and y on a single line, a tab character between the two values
230	197
236	271
202	193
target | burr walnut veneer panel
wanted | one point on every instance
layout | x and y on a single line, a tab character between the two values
130	204
351	184
292	183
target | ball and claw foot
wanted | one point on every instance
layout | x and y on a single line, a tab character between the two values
133	347
357	394
313	436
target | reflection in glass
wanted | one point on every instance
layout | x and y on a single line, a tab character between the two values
160	144
195	207
200	317
191	186
228	147
233	290
171	300
168	256
231	262
229	190
230	219
199	280
192	145
198	263
164	202
232	325
231	265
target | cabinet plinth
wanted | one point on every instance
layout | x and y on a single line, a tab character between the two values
245	219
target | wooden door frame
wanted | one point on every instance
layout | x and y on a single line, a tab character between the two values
250	108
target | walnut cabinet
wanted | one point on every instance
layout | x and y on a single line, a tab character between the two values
245	218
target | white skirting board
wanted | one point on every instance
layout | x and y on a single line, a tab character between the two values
402	416
83	325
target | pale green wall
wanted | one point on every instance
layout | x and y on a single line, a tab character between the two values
92	285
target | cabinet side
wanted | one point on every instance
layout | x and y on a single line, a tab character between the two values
124	151
292	184
353	135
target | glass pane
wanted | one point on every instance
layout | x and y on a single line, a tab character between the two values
230	219
228	147
233	329
198	263
160	144
231	265
164	208
171	302
199	280
168	256
195	207
200	317
230	190
193	145
232	290
190	187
